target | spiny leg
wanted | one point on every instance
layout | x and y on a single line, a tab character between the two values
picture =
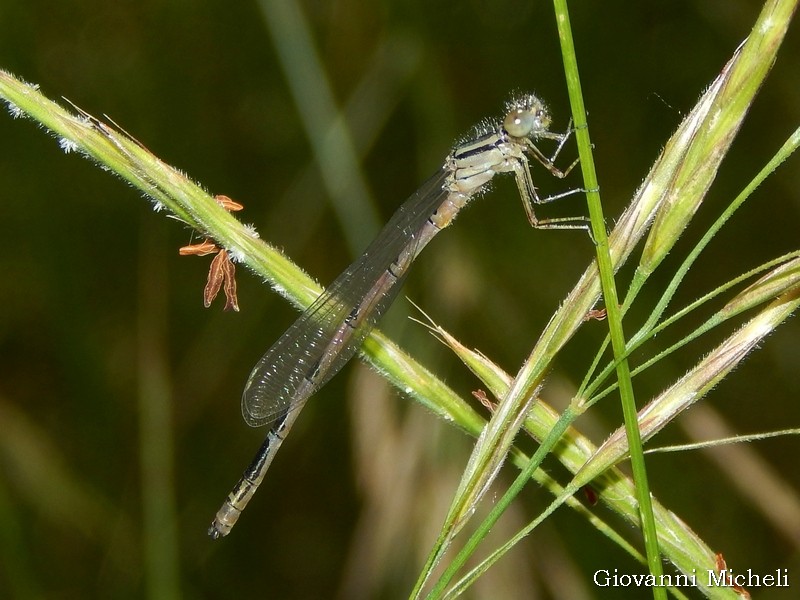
530	196
549	162
561	138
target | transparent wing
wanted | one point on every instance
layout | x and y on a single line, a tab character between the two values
320	342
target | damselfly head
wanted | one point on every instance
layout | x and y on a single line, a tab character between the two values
527	116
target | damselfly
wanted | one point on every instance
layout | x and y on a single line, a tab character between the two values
331	330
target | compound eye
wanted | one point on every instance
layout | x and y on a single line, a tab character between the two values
520	122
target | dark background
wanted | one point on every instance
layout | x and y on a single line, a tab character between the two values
113	377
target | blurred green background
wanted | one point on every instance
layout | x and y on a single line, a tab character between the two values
119	392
